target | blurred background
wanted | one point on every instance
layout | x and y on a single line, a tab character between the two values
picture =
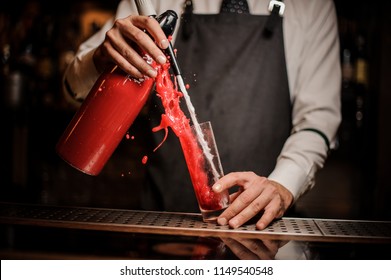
38	39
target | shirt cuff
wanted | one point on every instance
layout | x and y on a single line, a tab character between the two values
292	177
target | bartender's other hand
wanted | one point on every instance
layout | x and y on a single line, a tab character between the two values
121	40
255	194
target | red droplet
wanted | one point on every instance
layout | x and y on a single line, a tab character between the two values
144	160
187	86
129	137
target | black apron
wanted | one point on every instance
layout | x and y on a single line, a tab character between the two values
238	81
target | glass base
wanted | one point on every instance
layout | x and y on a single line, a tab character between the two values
210	216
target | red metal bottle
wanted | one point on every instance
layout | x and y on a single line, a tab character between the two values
102	121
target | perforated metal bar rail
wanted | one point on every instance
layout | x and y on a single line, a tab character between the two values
191	224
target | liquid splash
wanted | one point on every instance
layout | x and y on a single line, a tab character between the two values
194	153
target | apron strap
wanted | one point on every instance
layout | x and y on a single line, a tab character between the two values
186	20
276	9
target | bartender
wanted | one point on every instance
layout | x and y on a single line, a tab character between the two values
265	73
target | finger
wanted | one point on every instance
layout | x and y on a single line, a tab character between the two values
250	208
118	58
234	214
233	196
135	32
154	29
233	179
271	212
126	57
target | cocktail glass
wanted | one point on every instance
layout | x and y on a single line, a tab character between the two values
205	169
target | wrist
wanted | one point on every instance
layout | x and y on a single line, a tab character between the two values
285	194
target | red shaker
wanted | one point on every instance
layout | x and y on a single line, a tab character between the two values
106	115
102	120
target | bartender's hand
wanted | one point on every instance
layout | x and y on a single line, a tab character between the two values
255	194
122	40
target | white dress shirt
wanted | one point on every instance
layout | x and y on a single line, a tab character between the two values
312	58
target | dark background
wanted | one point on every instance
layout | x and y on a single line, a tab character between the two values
37	40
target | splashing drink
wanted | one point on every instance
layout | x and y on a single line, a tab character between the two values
205	169
198	146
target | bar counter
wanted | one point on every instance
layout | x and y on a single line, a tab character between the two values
32	231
